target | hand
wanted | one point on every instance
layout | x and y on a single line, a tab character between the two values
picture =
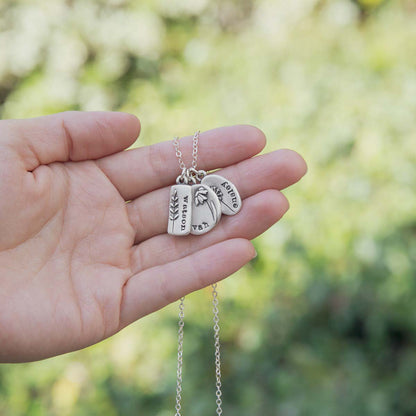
78	263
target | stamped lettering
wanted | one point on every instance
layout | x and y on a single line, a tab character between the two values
206	209
226	192
180	210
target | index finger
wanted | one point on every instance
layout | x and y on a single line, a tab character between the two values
138	171
70	136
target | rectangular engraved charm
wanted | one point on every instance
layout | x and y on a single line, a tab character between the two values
180	210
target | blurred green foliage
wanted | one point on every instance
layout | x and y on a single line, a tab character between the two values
323	322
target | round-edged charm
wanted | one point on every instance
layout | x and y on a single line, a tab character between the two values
206	209
226	192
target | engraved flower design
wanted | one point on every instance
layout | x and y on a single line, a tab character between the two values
201	196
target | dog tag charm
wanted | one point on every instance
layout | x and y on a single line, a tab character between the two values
206	209
226	192
180	210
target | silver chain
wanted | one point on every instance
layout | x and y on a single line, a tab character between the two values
181	322
195	142
189	175
216	319
180	358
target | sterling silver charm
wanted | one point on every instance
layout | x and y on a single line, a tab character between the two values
180	210
226	192
198	200
196	204
206	209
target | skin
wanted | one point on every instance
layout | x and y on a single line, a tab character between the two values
83	244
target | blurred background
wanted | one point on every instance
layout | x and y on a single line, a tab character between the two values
323	322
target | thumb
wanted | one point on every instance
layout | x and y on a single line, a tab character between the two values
69	136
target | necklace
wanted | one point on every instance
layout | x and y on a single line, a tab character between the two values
198	200
196	204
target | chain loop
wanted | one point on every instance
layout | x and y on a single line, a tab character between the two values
201	175
183	177
190	176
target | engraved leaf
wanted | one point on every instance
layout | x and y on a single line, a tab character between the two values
218	192
174	206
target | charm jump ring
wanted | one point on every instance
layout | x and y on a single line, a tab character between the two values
197	175
183	178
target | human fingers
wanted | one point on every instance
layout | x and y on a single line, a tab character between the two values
259	212
147	168
158	286
69	136
277	170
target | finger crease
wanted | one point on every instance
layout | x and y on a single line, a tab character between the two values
69	142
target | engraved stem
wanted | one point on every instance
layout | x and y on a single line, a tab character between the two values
211	207
231	209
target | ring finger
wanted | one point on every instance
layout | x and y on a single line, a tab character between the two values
258	213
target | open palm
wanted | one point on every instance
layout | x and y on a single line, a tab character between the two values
77	261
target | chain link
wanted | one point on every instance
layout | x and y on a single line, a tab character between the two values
216	320
193	174
195	143
217	353
180	357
